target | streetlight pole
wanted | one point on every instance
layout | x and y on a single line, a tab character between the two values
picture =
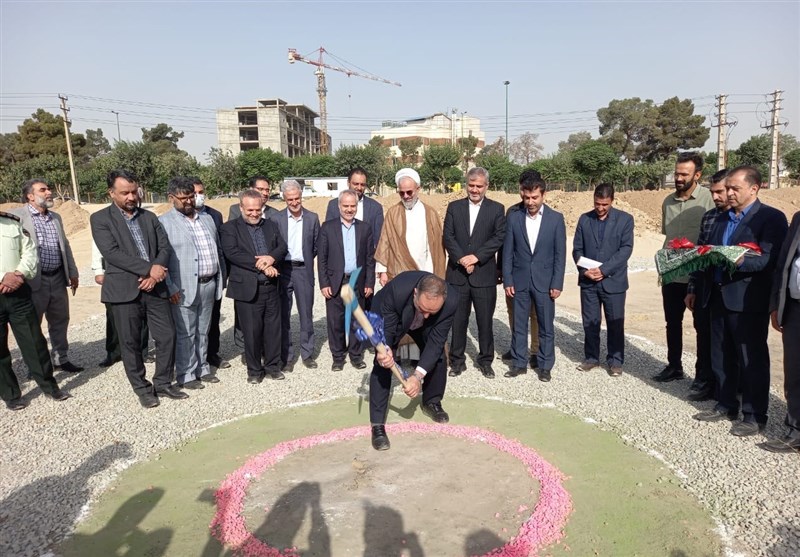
119	136
506	138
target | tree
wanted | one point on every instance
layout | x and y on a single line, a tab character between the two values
437	162
409	150
137	157
525	149
43	134
574	141
498	147
756	151
264	162
503	173
96	145
593	159
309	166
163	138
792	162
625	125
7	143
558	169
467	146
222	173
52	168
169	165
372	158
676	127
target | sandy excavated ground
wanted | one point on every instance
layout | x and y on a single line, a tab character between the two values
644	309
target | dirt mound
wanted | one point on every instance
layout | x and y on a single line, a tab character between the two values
74	217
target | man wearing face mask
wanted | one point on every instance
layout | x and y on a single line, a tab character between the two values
681	213
57	269
213	358
194	282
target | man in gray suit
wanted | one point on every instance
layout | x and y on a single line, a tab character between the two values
194	282
601	248
534	259
137	251
57	269
368	210
300	229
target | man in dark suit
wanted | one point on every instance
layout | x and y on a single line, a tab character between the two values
136	251
740	305
604	236
784	308
474	229
213	358
299	228
253	247
368	210
345	244
421	305
534	259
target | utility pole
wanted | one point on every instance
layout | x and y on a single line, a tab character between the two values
119	135
64	109
722	133
773	160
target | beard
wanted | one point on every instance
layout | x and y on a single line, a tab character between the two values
410	203
42	202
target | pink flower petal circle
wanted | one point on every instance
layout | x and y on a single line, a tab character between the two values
543	528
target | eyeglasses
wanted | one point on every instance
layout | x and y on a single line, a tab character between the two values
409	193
183	198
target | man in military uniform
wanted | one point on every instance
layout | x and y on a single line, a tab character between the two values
18	264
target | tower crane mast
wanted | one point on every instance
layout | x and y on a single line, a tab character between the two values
322	90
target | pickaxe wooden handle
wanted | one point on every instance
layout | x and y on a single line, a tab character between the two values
349	298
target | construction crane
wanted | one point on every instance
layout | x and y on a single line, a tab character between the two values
322	90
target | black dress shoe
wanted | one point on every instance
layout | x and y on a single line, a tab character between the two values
507	357
243	359
108	362
380	441
544	374
16	404
310	363
487	371
668	374
455	371
172	392
210	378
288	367
193	385
533	362
59	395
786	444
435	412
217	362
699	395
255	379
359	364
515	371
337	366
274	374
148	400
69	367
746	429
714	415
587	366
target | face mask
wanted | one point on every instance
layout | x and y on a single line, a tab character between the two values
199	200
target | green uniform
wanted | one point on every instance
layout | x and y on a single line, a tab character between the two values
18	254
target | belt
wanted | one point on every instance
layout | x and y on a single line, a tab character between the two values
203	280
296	263
53	273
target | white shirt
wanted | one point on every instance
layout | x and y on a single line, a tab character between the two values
294	237
416	239
360	210
97	261
794	277
474	208
532	226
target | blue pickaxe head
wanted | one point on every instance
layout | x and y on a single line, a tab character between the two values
348	308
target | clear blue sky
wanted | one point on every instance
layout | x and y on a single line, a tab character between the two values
565	57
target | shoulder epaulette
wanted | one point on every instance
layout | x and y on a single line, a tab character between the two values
9	216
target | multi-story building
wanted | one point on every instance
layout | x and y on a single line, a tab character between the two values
270	124
437	129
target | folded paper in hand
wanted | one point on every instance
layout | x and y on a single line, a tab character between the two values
586	263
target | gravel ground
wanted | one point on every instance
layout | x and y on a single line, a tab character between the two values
57	457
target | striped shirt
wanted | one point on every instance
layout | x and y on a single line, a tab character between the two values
47	235
204	244
136	231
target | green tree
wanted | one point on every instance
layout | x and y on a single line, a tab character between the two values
498	147
169	165
222	173
137	157
676	127
467	147
372	158
525	149
625	124
557	169
756	151
503	173
53	168
593	159
163	138
574	141
436	164
7	143
792	162
43	134
409	150
96	145
265	162
309	166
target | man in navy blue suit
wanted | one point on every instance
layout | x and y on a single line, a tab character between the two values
534	259
604	236
740	305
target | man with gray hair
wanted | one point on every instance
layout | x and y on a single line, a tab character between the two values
474	229
345	244
57	269
299	227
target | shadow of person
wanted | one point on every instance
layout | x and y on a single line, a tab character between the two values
384	535
47	509
287	515
481	542
122	531
212	548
